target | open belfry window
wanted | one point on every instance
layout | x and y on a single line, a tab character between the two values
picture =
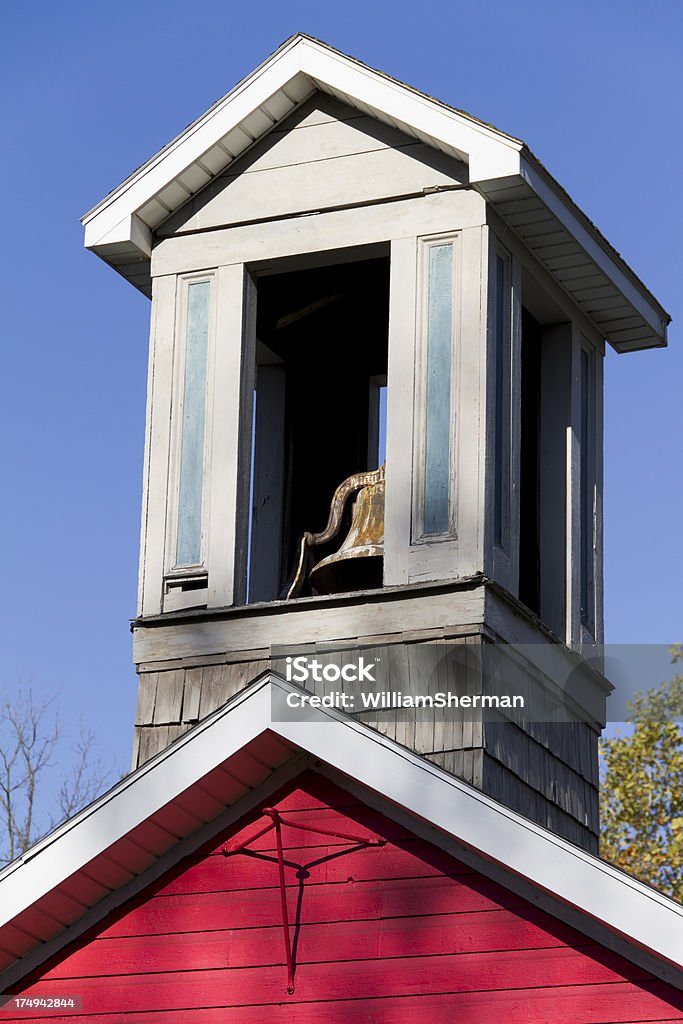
319	419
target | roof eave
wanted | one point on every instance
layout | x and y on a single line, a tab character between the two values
247	739
120	228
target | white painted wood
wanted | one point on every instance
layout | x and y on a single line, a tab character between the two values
400	400
542	278
324	129
254	243
495	162
175	598
491	153
135	799
310	620
573	519
280	184
157	446
353	179
578	225
528	850
234	355
244	439
471	404
409	558
187	845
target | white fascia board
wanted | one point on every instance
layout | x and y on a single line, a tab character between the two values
626	283
189	146
91	832
130	231
490	153
457	810
624	905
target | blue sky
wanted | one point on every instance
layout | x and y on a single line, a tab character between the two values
89	91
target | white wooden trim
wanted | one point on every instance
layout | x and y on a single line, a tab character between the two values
409	558
70	847
291	74
549	192
400	388
532	266
424	246
321	232
545	901
231	419
178	404
550	863
308	620
185	847
491	153
157	446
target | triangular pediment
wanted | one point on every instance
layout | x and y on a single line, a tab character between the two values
326	155
367	920
234	760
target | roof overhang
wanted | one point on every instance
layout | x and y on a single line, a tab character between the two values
120	229
224	766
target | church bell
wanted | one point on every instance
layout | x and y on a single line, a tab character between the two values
358	563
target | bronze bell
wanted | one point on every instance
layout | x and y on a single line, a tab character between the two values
358	564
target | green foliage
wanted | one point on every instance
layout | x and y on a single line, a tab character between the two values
641	792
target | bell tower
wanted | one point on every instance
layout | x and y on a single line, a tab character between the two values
375	419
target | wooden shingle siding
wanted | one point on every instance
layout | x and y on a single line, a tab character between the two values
544	768
324	155
390	933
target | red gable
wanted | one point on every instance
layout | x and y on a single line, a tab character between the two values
380	933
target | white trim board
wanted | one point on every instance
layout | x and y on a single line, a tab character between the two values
232	755
121	227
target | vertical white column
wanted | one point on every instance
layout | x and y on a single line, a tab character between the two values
230	436
157	445
400	392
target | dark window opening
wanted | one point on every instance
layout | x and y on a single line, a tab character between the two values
529	498
320	405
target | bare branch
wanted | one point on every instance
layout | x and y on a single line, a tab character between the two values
31	744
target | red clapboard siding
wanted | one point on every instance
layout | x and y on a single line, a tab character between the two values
333	942
388	934
385	898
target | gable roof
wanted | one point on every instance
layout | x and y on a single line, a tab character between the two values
231	761
121	227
